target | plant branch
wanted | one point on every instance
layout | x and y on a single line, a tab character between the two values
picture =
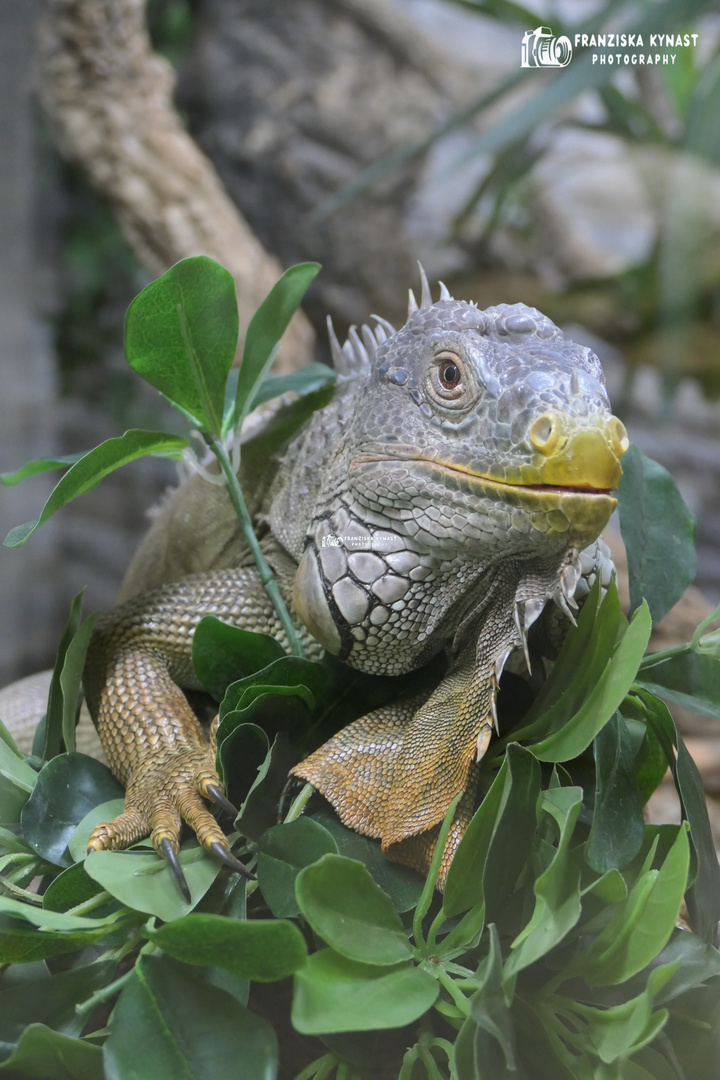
266	575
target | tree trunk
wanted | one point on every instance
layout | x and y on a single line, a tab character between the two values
108	97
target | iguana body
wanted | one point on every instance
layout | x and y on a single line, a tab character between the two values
434	506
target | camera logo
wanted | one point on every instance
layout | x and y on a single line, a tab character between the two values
541	49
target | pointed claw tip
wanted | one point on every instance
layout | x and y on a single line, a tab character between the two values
169	853
227	857
212	792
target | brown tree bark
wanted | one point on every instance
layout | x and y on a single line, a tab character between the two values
109	99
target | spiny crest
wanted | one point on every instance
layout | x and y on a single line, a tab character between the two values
426	299
355	357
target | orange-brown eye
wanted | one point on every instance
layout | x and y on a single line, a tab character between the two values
449	375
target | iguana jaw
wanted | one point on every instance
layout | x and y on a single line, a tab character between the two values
572	483
570	460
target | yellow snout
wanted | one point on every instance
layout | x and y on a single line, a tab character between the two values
579	457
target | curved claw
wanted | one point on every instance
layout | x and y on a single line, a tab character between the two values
227	857
213	792
168	852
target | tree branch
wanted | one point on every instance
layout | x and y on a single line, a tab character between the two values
109	100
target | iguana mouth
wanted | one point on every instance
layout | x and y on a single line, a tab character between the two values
514	486
572	461
540	488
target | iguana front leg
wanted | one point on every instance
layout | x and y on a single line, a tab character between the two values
394	773
138	661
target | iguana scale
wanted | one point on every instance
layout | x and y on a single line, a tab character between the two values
443	497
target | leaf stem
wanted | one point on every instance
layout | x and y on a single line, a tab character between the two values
299	803
435	925
318	1069
266	575
448	984
654	658
431	1066
105	992
90	905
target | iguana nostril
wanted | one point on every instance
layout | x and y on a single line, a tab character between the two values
620	440
543	434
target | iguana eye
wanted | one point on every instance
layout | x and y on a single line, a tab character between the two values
449	380
449	375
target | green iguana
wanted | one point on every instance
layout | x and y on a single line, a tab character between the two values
456	483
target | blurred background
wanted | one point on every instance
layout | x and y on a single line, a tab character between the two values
364	134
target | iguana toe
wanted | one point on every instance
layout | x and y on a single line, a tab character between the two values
160	796
120	833
169	853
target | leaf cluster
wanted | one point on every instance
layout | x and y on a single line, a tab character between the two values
553	951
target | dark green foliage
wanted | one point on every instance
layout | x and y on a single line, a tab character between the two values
554	951
658	531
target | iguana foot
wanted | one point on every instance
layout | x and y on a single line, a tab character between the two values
163	792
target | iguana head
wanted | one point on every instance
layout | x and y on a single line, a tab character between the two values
477	437
498	400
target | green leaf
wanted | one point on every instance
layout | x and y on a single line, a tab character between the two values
222	654
650	763
621	1030
284	850
169	1023
17	780
49	1055
87	473
642	925
306	380
463	888
689	679
24	945
66	681
485	1046
181	334
34	996
695	962
257	774
287	675
604	699
514	835
104	811
618	826
67	788
658	531
70	888
40	465
350	912
557	888
333	993
585	652
498	840
144	882
402	885
43	919
264	332
703	899
263	950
